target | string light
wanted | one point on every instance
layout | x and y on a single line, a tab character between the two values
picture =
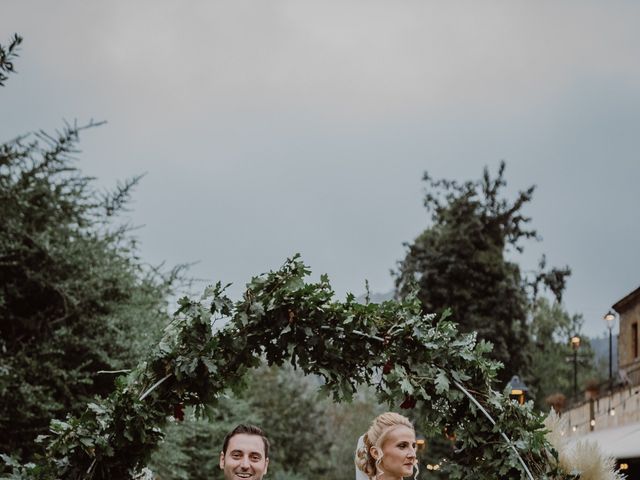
610	412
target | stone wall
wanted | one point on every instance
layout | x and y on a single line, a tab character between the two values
615	410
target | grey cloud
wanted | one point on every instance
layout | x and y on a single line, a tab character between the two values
274	127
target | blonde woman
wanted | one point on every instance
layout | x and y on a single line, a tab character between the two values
388	450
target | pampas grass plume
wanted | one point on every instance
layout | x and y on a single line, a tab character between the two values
583	457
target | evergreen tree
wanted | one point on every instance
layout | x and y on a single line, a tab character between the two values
294	416
191	448
75	299
282	402
7	55
552	370
460	262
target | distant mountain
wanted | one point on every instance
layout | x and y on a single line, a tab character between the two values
600	346
376	297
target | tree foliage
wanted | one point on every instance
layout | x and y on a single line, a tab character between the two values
301	439
283	402
392	347
190	448
74	297
551	329
7	56
461	262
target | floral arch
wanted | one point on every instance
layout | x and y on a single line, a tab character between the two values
445	376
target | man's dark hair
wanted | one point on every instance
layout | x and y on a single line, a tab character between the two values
249	430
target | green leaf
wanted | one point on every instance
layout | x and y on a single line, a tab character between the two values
442	382
94	407
459	376
406	386
257	308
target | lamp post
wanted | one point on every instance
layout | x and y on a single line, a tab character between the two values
575	344
610	318
517	389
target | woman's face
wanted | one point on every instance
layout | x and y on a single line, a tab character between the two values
399	453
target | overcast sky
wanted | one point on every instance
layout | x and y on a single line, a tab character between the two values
273	127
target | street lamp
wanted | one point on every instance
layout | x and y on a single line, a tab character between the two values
575	344
610	318
517	389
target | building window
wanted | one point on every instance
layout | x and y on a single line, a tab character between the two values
634	339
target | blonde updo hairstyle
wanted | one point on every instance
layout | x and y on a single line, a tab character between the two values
375	437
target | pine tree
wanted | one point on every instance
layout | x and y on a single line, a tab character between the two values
75	298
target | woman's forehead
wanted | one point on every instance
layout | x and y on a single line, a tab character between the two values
401	434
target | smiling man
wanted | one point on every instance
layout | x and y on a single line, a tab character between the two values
245	453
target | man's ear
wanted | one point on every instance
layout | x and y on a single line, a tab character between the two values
221	460
266	465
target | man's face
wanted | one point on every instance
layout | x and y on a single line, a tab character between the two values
245	458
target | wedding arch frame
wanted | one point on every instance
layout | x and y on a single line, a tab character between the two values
418	360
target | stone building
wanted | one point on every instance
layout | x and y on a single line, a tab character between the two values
629	310
612	417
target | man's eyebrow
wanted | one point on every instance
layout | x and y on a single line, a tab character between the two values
242	451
